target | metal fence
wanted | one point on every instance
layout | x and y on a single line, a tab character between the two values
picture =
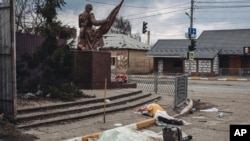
170	84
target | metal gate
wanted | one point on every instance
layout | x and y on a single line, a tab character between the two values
181	84
7	59
171	84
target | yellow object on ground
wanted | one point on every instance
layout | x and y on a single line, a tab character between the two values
94	135
152	108
145	123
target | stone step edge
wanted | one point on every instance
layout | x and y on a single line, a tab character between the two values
86	108
85	101
87	115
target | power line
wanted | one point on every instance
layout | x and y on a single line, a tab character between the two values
197	21
223	11
158	10
144	8
223	2
238	4
123	5
243	19
206	7
167	35
206	21
158	14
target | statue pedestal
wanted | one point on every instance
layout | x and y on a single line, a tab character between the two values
92	68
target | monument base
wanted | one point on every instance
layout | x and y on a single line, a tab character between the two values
92	68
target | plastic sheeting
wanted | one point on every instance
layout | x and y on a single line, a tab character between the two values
128	133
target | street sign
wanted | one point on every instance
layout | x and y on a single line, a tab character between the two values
192	31
188	36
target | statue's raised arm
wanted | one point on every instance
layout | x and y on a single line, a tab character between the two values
89	37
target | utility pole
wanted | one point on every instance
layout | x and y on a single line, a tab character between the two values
190	36
191	14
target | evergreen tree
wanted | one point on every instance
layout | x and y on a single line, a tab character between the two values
55	61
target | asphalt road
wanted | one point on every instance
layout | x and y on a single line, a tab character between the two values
232	98
219	87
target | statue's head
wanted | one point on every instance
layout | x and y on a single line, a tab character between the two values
88	7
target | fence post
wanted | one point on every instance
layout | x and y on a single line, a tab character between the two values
175	91
128	77
155	82
241	71
220	71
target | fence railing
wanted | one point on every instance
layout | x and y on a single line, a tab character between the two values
241	72
170	84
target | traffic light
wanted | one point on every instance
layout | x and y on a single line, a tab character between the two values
192	47
193	44
144	27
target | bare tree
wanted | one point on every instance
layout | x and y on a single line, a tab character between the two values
21	10
26	18
121	26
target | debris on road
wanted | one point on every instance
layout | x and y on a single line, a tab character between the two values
210	110
220	115
160	114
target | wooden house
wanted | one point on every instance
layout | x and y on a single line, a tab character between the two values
127	54
217	52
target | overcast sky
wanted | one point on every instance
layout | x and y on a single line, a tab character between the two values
166	18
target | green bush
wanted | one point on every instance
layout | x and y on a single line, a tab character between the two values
67	92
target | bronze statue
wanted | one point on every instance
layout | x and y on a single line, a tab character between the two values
89	37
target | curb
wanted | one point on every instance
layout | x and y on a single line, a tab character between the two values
219	78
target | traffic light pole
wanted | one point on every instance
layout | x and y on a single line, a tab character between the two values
149	38
191	14
190	38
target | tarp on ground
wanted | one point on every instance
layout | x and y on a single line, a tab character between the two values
128	133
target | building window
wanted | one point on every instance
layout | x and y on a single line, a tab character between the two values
113	61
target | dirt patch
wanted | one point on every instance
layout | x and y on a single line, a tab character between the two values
8	132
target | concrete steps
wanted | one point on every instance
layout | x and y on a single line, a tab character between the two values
58	113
